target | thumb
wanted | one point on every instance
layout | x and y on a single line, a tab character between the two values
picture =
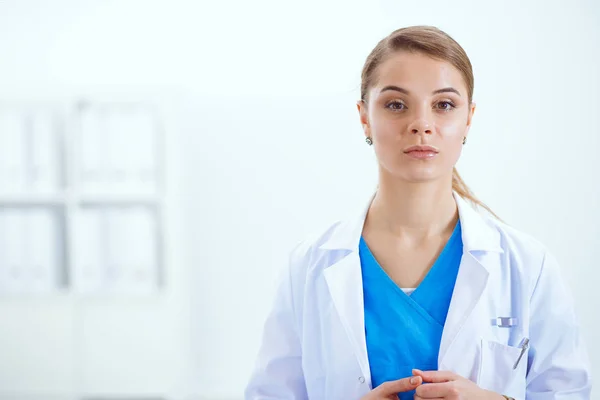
399	386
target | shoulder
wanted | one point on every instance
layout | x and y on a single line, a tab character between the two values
517	242
307	260
522	252
310	247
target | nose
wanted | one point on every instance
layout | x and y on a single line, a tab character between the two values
420	125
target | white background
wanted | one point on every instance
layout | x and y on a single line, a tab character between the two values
264	146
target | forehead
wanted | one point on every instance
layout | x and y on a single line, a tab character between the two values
418	72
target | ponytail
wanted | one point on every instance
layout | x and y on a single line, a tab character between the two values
461	188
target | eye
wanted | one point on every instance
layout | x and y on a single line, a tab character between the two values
395	105
445	106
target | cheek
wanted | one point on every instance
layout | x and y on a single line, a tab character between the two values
383	126
451	134
451	129
384	123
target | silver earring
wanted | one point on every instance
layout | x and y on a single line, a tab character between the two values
369	141
464	140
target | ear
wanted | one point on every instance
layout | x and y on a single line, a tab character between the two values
470	117
363	113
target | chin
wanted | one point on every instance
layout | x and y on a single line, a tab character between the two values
419	178
417	175
412	173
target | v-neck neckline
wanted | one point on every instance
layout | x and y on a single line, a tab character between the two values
428	277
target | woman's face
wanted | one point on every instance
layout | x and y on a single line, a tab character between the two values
417	101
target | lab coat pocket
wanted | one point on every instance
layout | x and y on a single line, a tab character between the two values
503	368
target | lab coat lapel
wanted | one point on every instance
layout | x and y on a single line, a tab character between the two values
479	239
344	280
470	284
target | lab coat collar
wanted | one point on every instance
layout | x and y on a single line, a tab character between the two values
477	234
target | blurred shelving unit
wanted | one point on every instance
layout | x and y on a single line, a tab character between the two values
81	199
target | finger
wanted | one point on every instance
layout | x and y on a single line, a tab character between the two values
436	376
435	390
427	398
399	386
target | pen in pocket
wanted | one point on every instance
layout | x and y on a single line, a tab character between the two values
524	346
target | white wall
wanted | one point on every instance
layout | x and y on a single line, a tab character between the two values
265	147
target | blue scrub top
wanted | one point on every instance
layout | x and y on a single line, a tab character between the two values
404	332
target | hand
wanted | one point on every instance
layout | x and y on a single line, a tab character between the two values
450	386
389	390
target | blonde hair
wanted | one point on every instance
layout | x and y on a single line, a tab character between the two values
437	44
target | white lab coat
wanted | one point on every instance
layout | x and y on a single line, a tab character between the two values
314	346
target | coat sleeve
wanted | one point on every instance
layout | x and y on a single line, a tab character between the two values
278	370
558	365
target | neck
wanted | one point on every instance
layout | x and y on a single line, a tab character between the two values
414	211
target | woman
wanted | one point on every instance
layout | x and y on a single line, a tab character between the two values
420	296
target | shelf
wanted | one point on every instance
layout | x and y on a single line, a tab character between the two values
75	296
32	199
85	199
119	199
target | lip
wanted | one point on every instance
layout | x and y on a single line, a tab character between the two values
421	149
421	152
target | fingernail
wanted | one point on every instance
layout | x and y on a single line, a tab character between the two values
413	381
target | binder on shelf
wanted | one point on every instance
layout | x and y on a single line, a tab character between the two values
44	172
12	249
89	251
93	151
30	249
142	267
132	260
120	151
3	258
143	131
12	152
118	246
43	255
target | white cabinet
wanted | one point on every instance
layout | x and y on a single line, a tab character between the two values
81	253
81	199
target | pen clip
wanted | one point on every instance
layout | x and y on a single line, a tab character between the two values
524	346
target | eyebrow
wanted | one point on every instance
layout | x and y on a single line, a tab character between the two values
402	90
